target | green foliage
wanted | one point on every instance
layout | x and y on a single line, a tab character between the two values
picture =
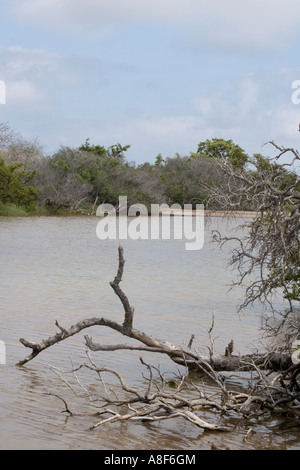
185	179
278	225
11	210
287	277
73	178
291	282
98	150
223	150
14	188
172	384
159	161
281	175
115	152
102	170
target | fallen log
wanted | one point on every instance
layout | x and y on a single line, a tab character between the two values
187	358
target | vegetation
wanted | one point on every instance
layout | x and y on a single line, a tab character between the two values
78	179
15	185
224	150
268	256
221	176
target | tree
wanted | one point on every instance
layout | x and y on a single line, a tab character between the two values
60	182
14	148
143	184
14	185
105	171
183	178
115	152
7	135
268	255
223	150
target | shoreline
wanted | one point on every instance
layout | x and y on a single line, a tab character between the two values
212	213
231	213
238	214
170	211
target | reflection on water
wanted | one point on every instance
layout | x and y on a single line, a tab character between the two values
57	269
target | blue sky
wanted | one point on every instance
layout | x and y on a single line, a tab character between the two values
160	76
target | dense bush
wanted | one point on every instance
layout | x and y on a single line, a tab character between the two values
79	179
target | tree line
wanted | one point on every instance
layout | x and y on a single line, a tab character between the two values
77	180
220	175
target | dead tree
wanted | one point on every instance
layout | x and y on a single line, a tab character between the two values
188	358
159	402
267	254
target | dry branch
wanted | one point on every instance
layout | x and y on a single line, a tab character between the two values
158	402
180	356
268	246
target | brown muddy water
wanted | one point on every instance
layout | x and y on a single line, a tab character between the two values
55	268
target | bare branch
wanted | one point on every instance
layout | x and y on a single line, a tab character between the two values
129	311
154	405
267	247
186	358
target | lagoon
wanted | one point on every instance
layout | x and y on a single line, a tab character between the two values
56	268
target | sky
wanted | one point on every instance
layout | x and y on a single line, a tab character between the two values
160	76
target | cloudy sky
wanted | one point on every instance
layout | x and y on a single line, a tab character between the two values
158	75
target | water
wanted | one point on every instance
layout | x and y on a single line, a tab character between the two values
55	268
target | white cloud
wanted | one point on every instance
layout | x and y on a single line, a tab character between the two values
18	63
68	100
234	107
150	135
25	73
147	135
250	118
248	97
239	114
246	24
45	78
24	92
285	120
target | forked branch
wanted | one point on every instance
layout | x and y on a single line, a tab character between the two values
180	356
126	329
159	402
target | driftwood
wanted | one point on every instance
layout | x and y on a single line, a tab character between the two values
162	400
188	358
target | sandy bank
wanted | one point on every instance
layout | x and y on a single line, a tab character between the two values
212	213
